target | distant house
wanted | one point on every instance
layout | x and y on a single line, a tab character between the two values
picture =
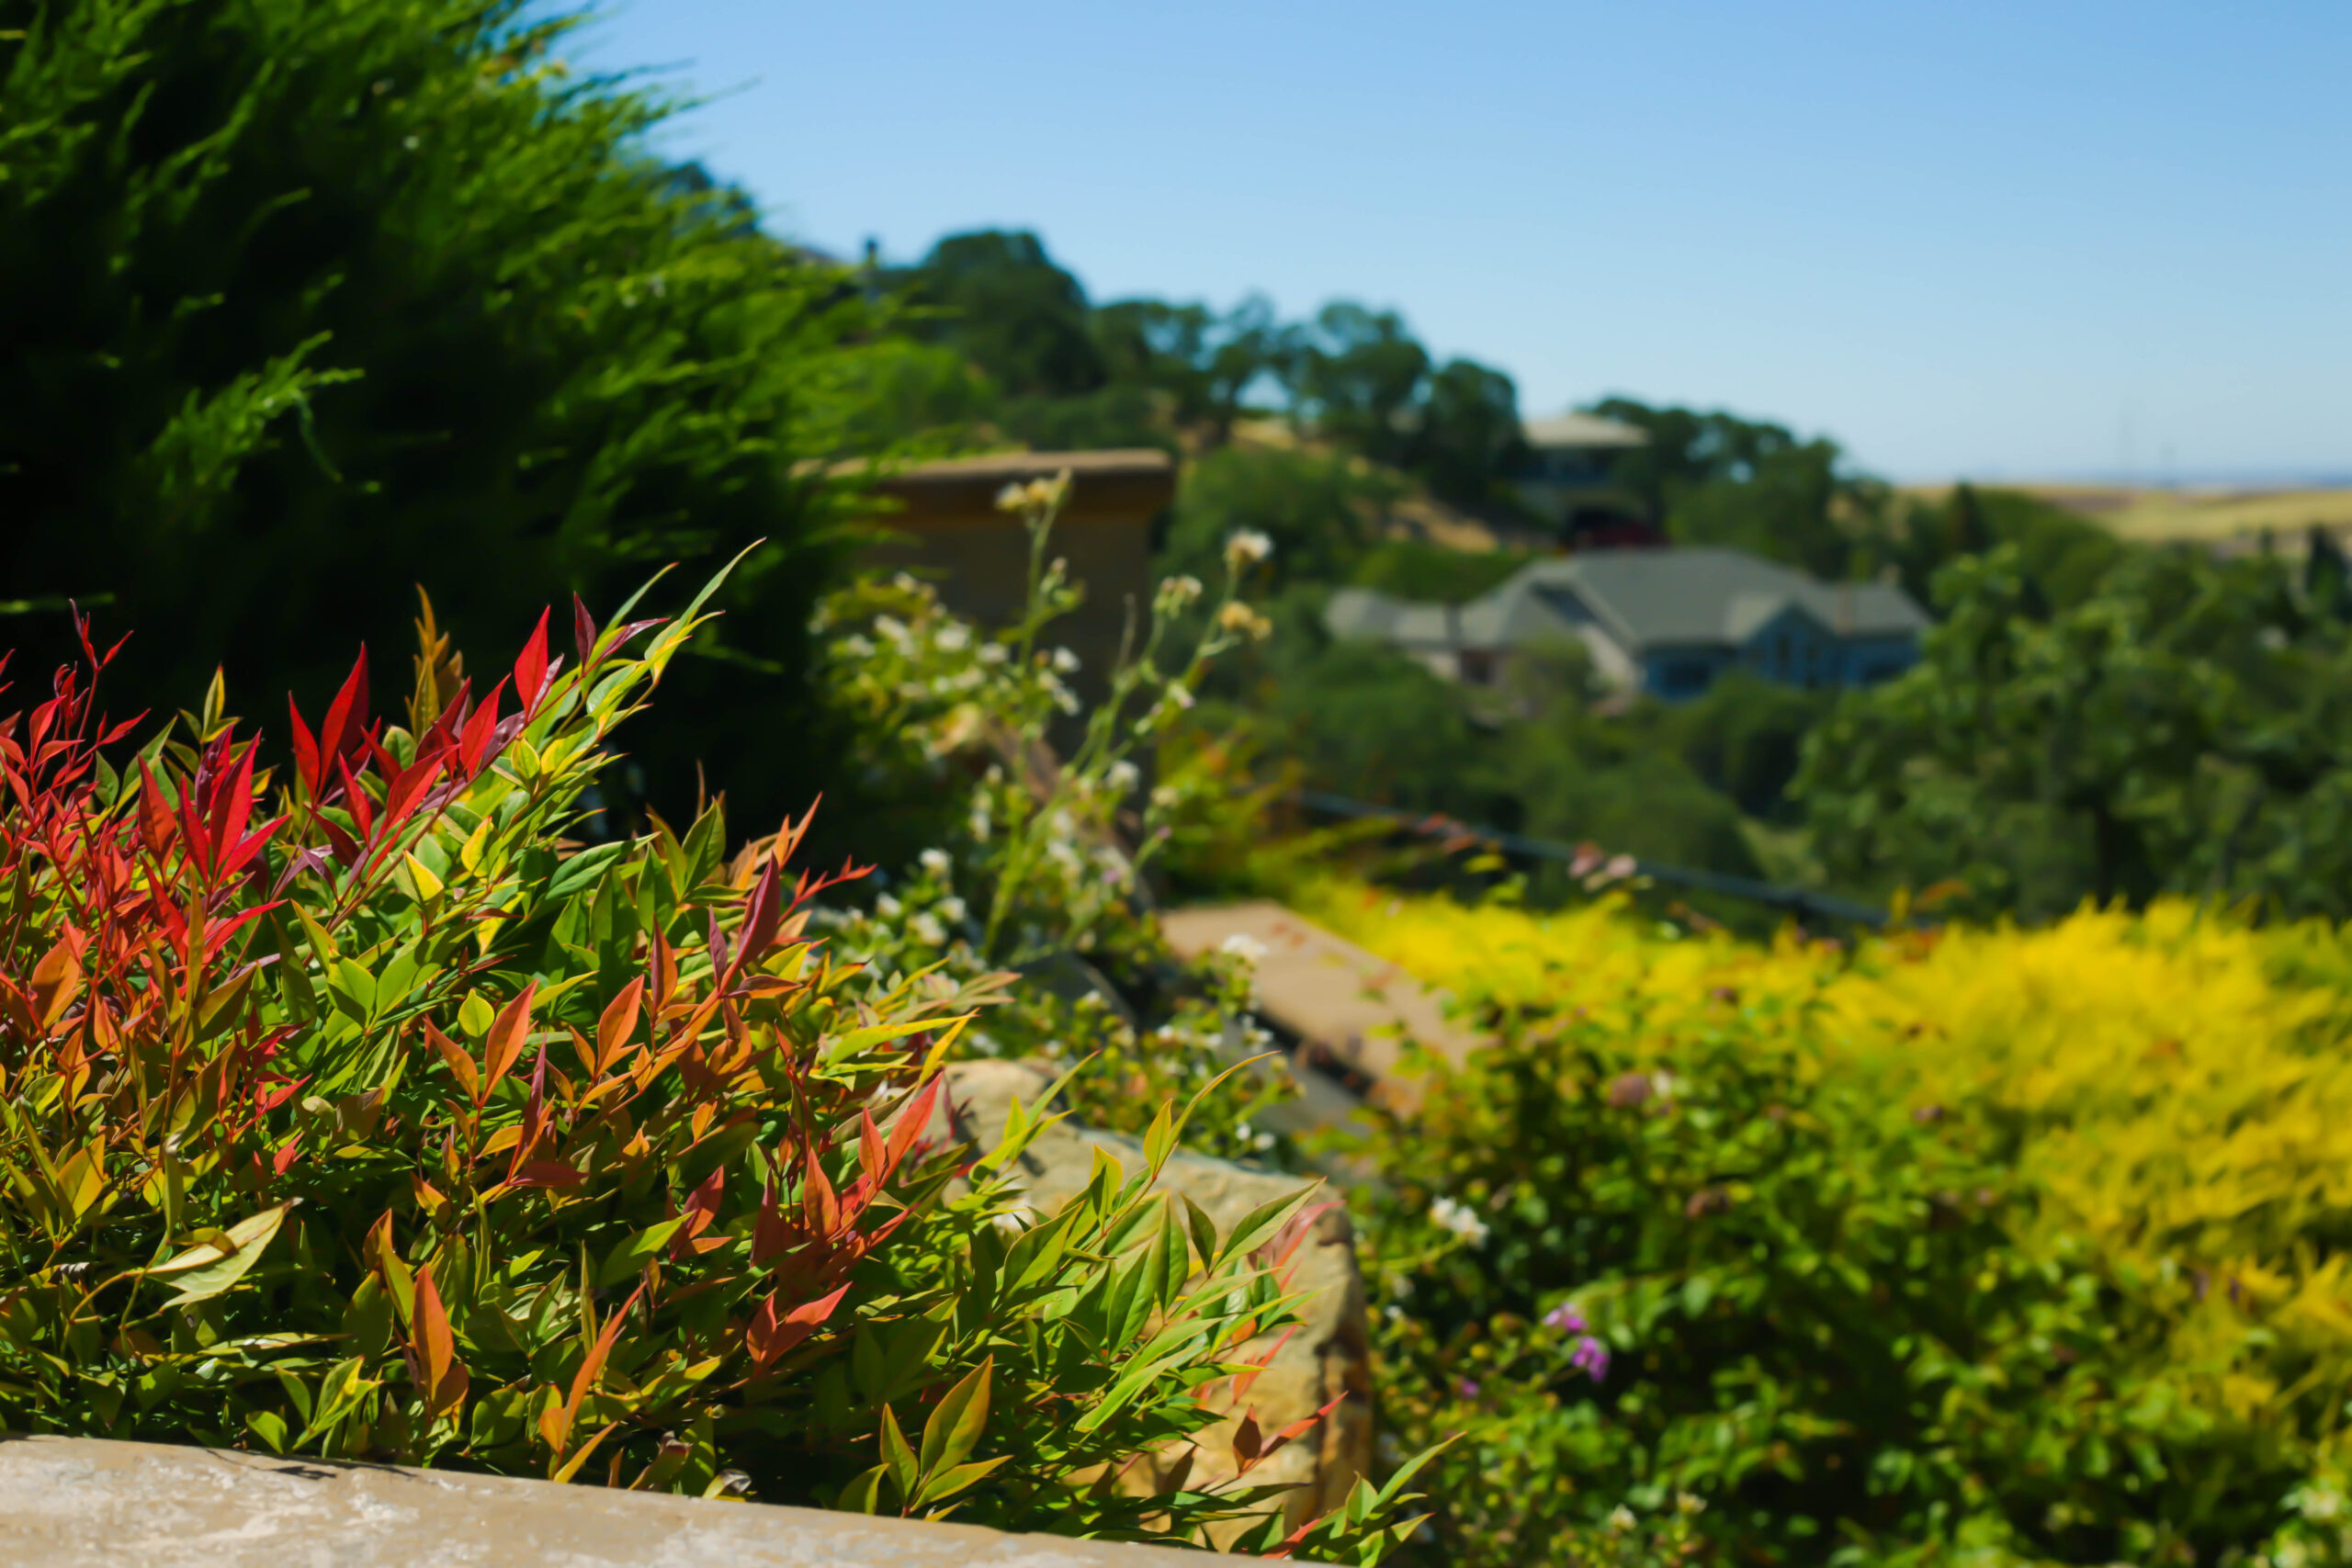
1666	621
1567	479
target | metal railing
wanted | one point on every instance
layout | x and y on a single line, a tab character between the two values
1799	901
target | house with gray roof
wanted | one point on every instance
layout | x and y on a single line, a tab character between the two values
1664	621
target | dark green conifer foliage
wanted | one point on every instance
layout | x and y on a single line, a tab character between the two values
306	301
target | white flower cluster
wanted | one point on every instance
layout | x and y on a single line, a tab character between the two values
1460	1219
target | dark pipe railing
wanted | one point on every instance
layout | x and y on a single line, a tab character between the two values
1802	902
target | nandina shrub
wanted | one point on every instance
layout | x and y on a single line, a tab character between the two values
351	1110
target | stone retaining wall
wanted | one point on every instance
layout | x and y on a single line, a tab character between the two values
81	1503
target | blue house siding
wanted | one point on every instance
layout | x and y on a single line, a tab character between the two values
1872	659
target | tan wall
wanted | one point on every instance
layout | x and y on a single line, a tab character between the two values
947	530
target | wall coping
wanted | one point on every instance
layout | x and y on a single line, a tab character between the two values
1130	482
86	1503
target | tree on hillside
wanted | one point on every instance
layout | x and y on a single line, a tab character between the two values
311	301
2186	726
1022	318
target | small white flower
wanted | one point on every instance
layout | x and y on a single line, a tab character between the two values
1621	1519
950	908
1245	947
936	862
856	645
992	653
926	929
1065	662
893	629
1460	1220
1122	776
1163	796
1247	547
1175	592
954	638
888	907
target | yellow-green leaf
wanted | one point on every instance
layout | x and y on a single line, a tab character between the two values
204	1270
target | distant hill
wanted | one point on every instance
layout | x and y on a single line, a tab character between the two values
2236	517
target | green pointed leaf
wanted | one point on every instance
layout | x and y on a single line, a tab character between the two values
955	1426
897	1455
1204	1231
1261	1223
945	1484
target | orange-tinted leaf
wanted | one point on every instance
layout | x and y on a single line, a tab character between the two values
443	1377
385	1258
57	980
619	1023
770	1333
460	1060
592	1367
508	1032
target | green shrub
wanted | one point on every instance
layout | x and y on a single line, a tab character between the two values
308	301
1824	1327
349	1111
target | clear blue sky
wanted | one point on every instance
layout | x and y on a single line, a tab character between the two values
1984	238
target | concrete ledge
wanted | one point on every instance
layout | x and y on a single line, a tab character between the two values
1349	1009
81	1503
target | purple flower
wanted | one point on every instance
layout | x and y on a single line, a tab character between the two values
1466	1389
1590	1356
1566	1319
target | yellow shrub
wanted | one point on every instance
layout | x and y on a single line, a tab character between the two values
2179	1083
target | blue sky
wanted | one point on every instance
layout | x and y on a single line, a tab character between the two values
1987	239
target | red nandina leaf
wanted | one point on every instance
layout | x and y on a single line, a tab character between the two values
546	1173
347	715
280	1095
306	751
702	1203
1298	1428
155	822
772	1232
870	1155
242	854
762	912
531	665
771	1335
356	801
232	801
439	740
218	936
473	748
1247	1443
1243	1381
199	843
584	631
287	1151
409	788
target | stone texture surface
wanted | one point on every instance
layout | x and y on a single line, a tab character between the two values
1348	1008
1329	1354
79	1503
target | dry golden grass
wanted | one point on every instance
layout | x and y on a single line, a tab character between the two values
2213	515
